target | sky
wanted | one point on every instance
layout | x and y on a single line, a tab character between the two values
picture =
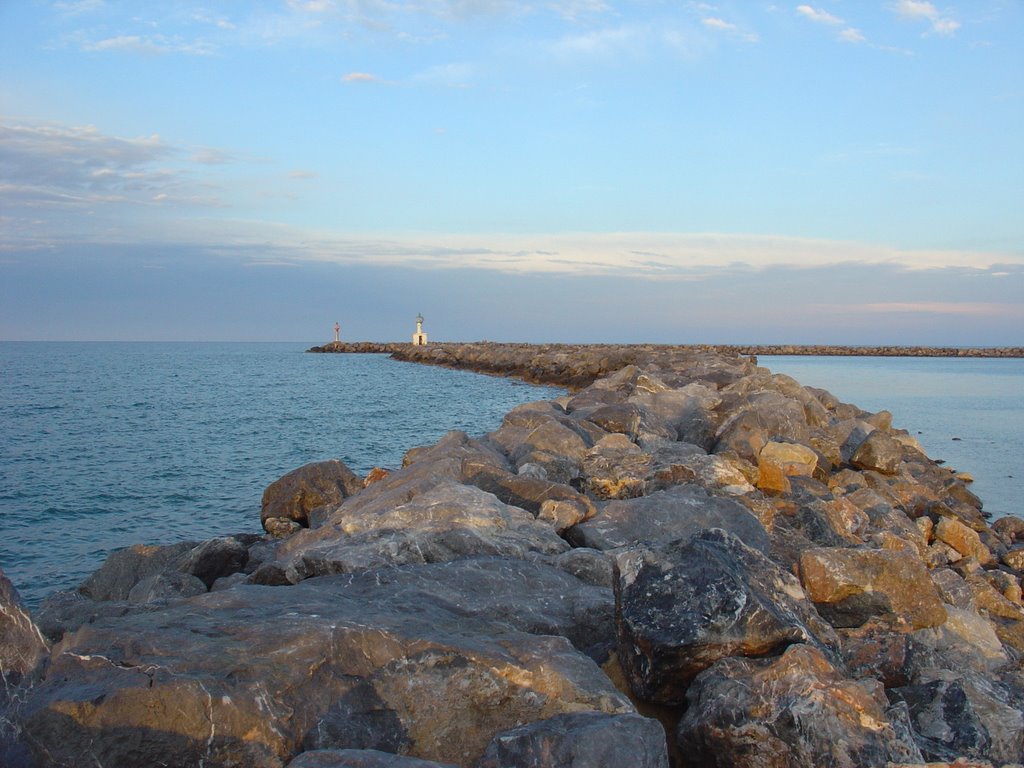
559	171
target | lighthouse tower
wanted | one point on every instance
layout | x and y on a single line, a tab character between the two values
419	338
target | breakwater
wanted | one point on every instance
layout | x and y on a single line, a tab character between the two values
687	560
576	365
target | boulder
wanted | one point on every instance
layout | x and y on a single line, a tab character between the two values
963	539
618	418
791	458
794	710
675	513
580	740
680	463
850	586
616	468
964	715
879	452
446	522
125	568
302	490
682	605
251	676
218	557
521	490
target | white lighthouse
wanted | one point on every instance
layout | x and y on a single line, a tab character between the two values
419	338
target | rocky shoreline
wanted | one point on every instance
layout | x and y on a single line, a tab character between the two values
685	561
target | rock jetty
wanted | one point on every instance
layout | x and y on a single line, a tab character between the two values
685	561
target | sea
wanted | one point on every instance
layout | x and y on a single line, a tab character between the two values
104	445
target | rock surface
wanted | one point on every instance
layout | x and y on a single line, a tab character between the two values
782	579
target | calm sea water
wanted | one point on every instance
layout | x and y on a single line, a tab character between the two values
104	445
968	412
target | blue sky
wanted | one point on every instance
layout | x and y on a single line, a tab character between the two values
570	170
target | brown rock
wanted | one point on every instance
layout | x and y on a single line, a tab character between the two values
849	586
963	539
302	490
879	452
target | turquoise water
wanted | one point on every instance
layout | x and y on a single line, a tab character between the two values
968	412
104	445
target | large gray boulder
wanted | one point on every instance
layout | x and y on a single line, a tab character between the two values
682	605
252	676
448	521
580	740
675	513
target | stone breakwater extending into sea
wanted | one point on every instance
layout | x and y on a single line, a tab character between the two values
685	561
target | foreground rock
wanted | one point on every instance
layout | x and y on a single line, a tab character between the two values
783	578
402	660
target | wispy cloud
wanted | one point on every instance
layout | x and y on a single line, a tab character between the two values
716	23
818	15
149	45
852	35
954	308
360	77
677	256
57	173
920	10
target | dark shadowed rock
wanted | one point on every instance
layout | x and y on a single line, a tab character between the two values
796	710
580	740
296	494
360	758
965	715
682	605
253	675
675	513
218	557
